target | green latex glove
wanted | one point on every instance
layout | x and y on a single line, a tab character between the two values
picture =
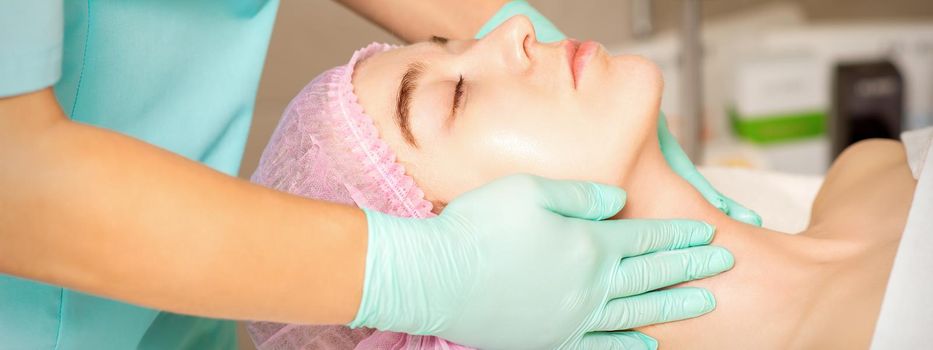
525	263
682	165
545	31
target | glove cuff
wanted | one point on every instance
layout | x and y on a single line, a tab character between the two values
368	313
399	275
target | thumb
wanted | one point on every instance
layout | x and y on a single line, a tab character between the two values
581	199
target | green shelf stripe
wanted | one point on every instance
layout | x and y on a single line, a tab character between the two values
779	127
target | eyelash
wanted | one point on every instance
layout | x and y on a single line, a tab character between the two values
458	95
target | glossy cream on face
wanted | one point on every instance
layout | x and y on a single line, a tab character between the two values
521	111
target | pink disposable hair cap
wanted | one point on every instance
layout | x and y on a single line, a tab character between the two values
326	147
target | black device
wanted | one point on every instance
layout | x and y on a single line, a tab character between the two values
868	102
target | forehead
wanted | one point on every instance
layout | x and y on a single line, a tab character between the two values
384	64
376	78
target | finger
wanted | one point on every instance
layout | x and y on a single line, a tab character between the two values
655	307
740	213
581	199
681	164
635	237
618	341
640	274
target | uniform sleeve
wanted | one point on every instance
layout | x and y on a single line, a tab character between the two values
31	35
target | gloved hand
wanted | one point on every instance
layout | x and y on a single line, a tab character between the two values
525	263
545	31
682	165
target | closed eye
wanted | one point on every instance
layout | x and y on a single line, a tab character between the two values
458	97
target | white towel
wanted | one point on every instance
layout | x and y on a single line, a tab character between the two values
917	143
783	200
907	308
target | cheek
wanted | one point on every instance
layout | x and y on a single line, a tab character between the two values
514	129
485	144
634	87
551	141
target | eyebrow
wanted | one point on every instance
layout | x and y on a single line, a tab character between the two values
406	89
403	105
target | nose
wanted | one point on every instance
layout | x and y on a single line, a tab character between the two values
511	41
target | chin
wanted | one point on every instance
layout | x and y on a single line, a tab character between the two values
637	85
640	72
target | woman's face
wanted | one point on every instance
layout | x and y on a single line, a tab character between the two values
518	109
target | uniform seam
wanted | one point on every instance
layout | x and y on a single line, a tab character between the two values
87	35
74	105
61	309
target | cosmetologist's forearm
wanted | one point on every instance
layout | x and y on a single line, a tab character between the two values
418	20
100	212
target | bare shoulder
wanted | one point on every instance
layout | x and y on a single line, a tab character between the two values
864	201
867	190
873	153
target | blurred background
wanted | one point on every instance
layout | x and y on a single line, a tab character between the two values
765	84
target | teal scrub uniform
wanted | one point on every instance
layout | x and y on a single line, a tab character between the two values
178	74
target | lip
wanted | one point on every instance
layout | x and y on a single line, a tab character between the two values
580	55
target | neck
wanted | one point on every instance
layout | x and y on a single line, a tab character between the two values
774	273
655	191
